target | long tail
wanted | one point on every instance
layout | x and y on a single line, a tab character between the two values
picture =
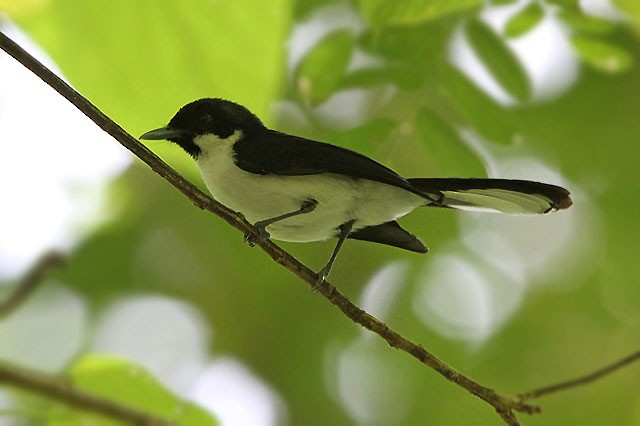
497	195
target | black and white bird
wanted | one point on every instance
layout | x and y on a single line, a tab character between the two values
296	189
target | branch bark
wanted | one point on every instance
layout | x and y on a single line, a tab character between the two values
56	388
504	405
582	380
30	282
59	390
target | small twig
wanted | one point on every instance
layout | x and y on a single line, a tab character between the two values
30	282
63	392
582	380
508	417
54	388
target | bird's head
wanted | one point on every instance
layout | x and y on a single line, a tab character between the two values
208	116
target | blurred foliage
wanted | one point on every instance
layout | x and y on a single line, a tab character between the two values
318	76
126	383
632	8
184	43
499	59
602	56
21	8
381	12
140	61
525	20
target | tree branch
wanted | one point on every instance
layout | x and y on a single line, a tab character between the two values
582	380
30	282
505	406
59	390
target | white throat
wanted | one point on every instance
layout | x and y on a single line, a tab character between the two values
212	146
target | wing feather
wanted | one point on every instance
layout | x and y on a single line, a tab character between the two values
391	234
500	195
273	152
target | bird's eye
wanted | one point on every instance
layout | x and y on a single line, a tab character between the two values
206	120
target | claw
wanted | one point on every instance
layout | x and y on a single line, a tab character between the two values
322	277
249	239
252	240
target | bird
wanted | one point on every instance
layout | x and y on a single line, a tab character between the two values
301	190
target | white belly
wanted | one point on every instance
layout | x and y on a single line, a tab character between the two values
340	199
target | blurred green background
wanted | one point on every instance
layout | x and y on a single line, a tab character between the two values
545	90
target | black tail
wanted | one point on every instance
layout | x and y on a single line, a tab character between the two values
500	195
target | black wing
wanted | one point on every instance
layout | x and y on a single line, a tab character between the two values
391	234
272	152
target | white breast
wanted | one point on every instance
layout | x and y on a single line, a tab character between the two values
259	197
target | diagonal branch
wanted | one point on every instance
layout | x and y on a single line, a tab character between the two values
501	403
505	406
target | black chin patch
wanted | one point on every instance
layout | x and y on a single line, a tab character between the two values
188	145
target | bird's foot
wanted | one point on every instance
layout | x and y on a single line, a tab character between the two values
322	277
263	235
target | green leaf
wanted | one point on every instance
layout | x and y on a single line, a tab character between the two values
365	138
446	148
379	13
319	73
632	8
580	22
419	44
404	77
567	4
524	21
601	55
16	9
140	60
301	9
499	59
480	110
126	383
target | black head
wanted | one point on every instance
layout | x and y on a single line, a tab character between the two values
206	116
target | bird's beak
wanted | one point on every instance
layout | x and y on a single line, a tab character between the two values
163	133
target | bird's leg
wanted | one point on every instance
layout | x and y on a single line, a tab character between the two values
323	273
439	202
307	206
